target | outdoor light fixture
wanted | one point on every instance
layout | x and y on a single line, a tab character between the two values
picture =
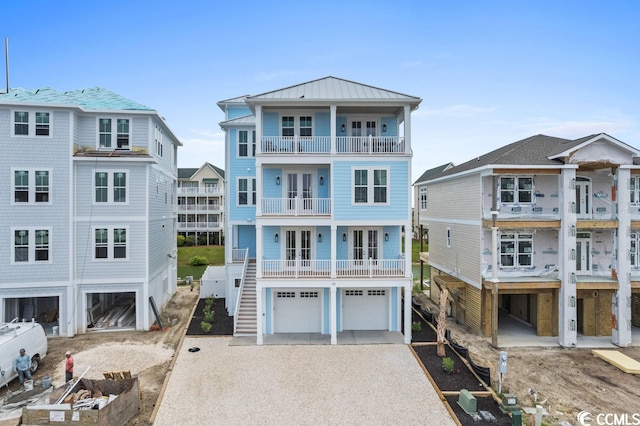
572	254
342	128
572	325
275	238
573	278
386	236
384	128
319	238
344	236
572	184
572	231
278	180
321	180
572	301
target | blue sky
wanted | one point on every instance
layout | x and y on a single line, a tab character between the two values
489	72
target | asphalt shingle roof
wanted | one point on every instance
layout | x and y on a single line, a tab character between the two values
95	98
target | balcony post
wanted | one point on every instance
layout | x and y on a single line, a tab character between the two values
259	313
334	140
334	249
333	314
259	250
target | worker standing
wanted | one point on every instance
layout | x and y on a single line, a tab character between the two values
68	367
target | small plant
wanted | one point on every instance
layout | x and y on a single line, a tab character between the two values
206	326
416	326
448	365
208	316
198	261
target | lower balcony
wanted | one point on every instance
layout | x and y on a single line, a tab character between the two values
372	268
199	226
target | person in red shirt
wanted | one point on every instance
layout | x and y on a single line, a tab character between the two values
68	367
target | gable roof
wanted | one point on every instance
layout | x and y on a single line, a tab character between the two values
333	89
188	172
433	172
95	98
538	150
247	120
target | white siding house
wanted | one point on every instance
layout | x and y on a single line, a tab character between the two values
318	178
545	230
88	207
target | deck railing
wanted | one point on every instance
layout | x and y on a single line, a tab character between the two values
296	206
322	145
300	268
198	226
239	255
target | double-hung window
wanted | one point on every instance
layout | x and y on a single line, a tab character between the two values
516	250
31	245
31	123
158	138
110	186
516	190
243	143
370	186
634	189
110	243
423	198
246	192
107	127
306	126
288	126
31	186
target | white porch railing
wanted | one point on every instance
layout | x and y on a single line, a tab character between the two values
296	206
211	191
239	255
370	144
344	268
296	144
201	208
199	226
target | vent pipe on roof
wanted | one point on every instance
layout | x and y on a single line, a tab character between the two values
6	60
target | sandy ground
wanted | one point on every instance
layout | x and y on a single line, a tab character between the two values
299	385
566	381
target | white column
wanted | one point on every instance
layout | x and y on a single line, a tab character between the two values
334	250
259	314
407	129
259	256
258	129
621	301
258	190
407	313
333	121
333	309
567	314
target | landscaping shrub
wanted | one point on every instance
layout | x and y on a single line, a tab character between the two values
198	261
448	365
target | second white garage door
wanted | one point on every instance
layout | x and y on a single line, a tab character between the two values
297	311
365	309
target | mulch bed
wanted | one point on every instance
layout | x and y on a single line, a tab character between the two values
222	324
482	403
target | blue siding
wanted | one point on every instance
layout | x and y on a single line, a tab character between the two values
269	187
391	248
235	112
398	192
340	120
271	248
240	168
271	124
392	126
267	310
323	124
323	249
247	238
323	190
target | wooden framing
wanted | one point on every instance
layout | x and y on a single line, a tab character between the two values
596	224
526	171
521	224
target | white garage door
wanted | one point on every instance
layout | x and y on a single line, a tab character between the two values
364	309
297	311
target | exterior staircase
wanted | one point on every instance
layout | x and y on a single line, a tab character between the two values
246	324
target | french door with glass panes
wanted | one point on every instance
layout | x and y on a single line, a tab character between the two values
298	248
299	193
360	131
364	246
583	198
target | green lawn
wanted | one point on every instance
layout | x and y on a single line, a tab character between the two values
214	254
415	250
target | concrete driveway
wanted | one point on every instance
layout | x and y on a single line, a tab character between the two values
298	385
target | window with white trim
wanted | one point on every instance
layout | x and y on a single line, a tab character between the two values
370	186
516	190
107	127
110	186
246	143
516	250
159	139
246	191
31	123
288	126
110	243
306	126
633	250
31	245
634	190
31	186
423	198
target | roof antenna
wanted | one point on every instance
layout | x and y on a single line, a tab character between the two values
6	60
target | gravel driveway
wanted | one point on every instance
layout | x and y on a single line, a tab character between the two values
298	385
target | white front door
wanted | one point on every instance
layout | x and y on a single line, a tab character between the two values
365	245
583	253
583	198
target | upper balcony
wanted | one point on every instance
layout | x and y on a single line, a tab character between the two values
296	206
345	145
200	208
198	191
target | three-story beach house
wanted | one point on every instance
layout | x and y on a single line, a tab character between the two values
318	200
201	204
88	210
545	230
